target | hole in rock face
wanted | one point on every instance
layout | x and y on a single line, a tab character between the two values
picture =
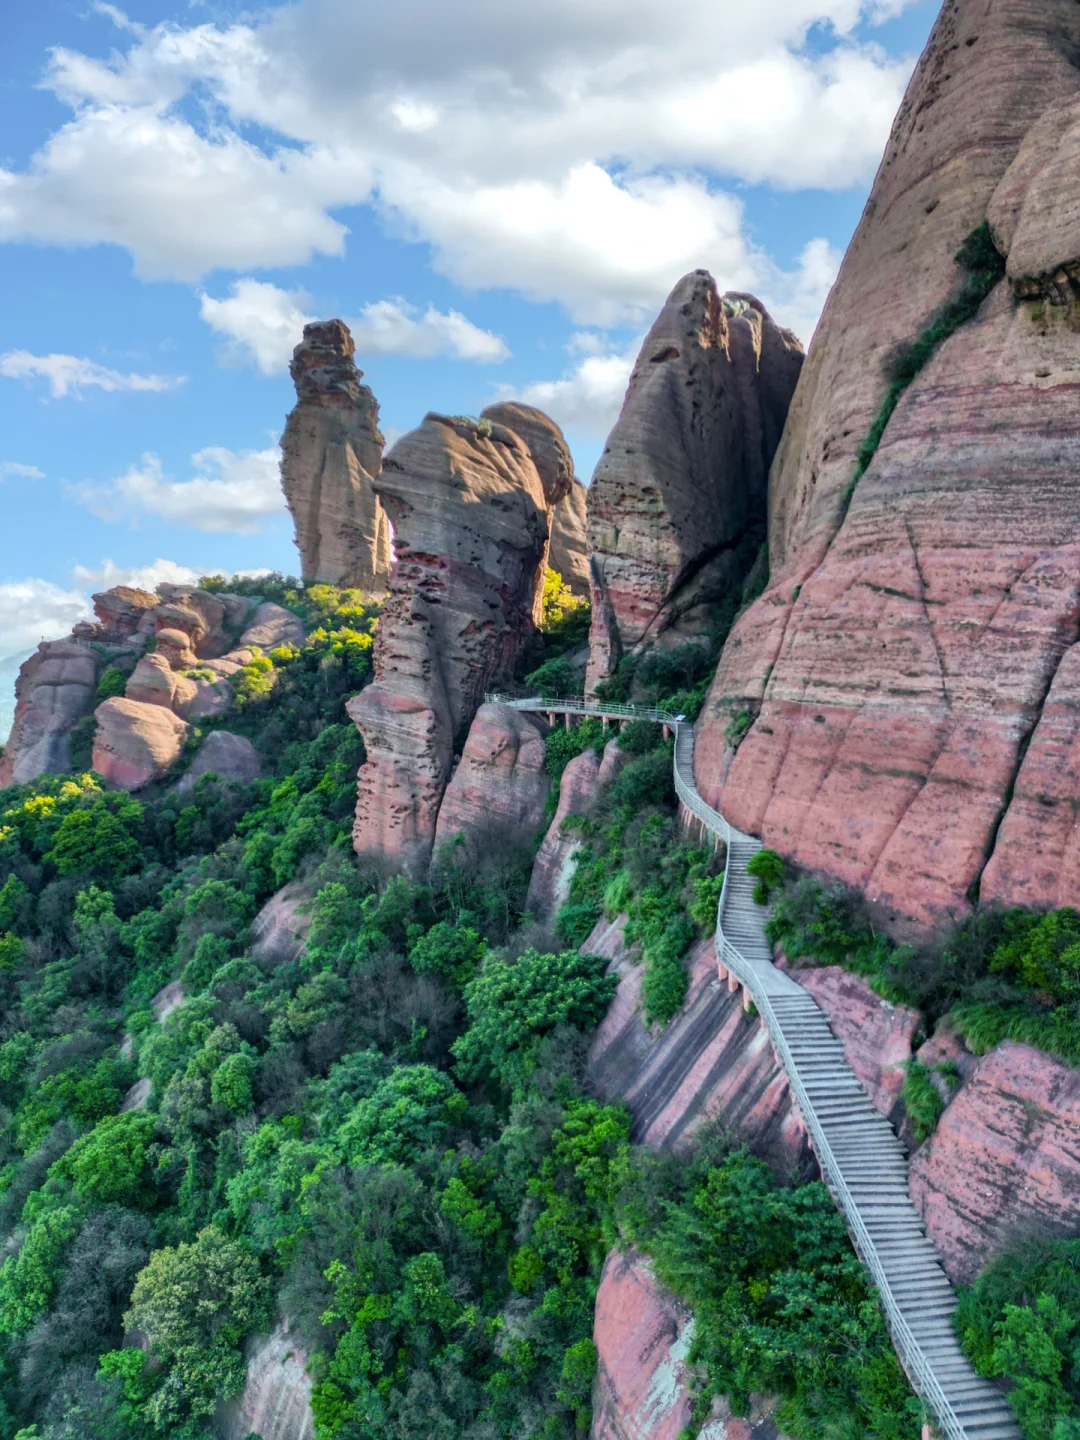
671	353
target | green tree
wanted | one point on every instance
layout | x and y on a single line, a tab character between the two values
513	1005
195	1303
100	841
28	1279
408	1112
111	1163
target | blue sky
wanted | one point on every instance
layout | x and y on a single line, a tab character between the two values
496	194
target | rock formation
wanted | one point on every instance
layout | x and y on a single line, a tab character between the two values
642	1337
579	789
276	1400
331	457
500	787
710	1061
199	641
1004	1161
136	744
643	1381
676	510
569	541
54	691
913	713
228	756
569	550
280	929
471	522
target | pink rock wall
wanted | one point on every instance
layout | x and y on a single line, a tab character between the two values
1004	1161
901	658
877	1036
710	1062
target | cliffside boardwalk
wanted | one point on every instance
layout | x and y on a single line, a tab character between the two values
860	1157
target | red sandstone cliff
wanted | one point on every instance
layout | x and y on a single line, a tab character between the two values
676	509
905	666
471	524
331	455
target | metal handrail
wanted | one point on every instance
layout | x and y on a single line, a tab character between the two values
750	975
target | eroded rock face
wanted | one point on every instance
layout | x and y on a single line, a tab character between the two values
471	524
569	550
136	744
642	1336
280	929
1004	1161
579	789
877	1037
710	1061
55	689
643	1382
676	509
230	757
553	868
500	787
569	541
331	457
276	1401
901	658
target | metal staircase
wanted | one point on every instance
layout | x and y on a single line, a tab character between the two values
861	1159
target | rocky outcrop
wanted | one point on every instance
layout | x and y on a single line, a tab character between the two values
877	1037
499	789
199	639
898	664
280	929
642	1337
579	789
471	523
643	1381
228	756
331	457
276	1400
136	744
676	510
569	554
710	1062
553	868
1004	1162
54	691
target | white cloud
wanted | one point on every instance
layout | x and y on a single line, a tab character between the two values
71	374
231	491
32	610
263	322
11	469
572	151
589	396
142	577
260	321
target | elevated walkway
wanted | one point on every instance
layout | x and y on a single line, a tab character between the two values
861	1159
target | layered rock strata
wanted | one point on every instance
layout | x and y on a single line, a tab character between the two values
570	542
331	456
471	522
499	788
1003	1164
676	509
711	1062
898	668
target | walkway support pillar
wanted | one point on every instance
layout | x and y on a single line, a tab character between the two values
667	732
732	983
